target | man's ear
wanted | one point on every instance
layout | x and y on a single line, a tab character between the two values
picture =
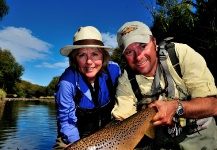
154	42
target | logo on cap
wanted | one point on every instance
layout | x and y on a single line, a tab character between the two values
127	30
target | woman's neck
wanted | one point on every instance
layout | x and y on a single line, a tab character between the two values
91	80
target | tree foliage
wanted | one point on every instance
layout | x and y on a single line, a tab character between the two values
10	71
205	33
173	18
28	90
3	9
2	94
118	57
50	89
192	22
10	81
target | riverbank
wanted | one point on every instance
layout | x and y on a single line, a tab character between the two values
29	99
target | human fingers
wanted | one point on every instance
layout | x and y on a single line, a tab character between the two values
156	121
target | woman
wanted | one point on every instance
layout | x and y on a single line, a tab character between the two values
86	91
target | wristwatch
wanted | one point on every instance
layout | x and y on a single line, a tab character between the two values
180	109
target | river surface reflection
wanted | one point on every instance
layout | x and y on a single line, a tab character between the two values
28	125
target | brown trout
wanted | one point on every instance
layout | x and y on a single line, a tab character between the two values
124	134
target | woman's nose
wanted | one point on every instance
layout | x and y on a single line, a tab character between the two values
89	60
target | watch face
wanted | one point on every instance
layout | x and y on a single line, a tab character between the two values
180	112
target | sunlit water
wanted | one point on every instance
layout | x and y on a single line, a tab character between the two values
28	125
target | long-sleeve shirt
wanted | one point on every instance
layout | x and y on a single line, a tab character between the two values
65	96
196	81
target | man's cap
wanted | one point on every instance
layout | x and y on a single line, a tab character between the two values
132	32
85	37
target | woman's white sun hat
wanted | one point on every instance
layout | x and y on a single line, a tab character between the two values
85	37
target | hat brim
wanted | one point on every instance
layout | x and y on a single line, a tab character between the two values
136	39
69	48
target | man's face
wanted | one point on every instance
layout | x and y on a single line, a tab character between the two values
142	57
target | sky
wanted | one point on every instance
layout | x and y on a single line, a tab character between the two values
35	30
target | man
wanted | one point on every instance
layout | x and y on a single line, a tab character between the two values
184	102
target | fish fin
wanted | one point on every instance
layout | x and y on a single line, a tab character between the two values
150	132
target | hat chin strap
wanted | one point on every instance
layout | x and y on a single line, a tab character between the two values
89	42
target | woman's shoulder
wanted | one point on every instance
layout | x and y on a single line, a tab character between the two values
112	63
113	67
68	74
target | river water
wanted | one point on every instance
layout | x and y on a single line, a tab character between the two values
28	125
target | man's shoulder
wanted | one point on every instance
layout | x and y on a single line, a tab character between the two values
183	50
182	47
124	76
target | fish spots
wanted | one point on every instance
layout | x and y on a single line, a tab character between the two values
121	135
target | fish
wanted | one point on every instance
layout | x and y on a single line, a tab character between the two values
124	134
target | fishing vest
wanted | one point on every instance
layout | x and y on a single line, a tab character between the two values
91	120
163	52
168	91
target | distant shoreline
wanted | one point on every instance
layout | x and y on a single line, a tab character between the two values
30	99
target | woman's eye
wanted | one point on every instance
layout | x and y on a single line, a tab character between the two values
95	54
81	55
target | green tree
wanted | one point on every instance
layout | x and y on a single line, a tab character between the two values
2	94
50	89
10	71
28	90
173	18
117	57
189	21
205	33
3	9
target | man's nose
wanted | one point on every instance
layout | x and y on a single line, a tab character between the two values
138	54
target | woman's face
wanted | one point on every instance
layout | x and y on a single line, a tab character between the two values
89	62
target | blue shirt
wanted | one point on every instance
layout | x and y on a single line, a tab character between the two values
65	95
